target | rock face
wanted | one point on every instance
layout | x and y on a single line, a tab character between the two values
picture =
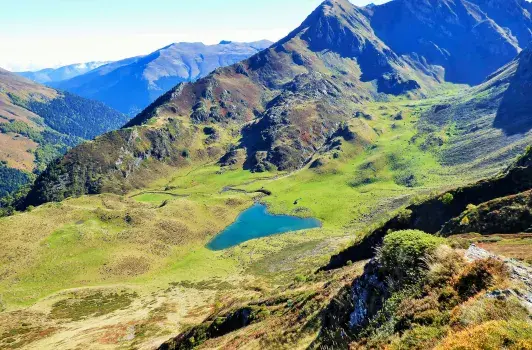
519	272
132	84
468	38
515	112
368	293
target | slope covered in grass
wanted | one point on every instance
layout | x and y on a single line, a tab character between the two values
311	127
39	124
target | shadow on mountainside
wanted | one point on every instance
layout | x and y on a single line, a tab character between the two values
514	115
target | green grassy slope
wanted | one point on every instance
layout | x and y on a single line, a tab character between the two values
39	124
136	207
151	241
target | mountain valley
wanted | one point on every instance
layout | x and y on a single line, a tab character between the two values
403	128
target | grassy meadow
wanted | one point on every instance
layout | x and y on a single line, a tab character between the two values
143	254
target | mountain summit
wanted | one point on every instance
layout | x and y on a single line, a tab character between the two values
468	38
132	84
280	107
285	102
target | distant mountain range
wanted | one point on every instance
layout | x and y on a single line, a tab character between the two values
130	85
54	75
38	124
290	100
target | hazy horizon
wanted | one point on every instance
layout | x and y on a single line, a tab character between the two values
61	32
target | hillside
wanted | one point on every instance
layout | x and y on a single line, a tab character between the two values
38	124
286	103
399	170
131	84
289	100
54	75
468	38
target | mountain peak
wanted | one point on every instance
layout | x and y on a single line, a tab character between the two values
468	38
335	7
225	42
334	3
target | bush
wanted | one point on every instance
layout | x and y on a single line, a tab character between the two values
479	310
465	221
445	265
471	207
420	337
447	198
403	253
300	279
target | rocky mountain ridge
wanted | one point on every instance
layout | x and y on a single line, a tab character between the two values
468	39
131	84
289	99
54	75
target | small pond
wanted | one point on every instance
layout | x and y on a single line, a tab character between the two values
256	222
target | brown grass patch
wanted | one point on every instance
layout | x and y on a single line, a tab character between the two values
127	266
14	149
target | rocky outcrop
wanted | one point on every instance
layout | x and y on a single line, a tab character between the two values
520	273
368	293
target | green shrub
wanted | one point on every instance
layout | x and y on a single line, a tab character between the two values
465	221
403	253
447	198
404	216
471	207
420	337
300	279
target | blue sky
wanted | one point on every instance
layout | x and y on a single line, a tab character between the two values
37	34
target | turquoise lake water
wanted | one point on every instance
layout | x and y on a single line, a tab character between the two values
256	222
